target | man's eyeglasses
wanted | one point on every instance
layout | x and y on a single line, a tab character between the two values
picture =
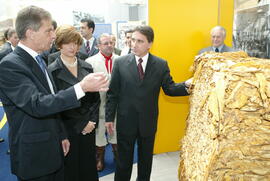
107	43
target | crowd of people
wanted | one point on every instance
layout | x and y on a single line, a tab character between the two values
68	94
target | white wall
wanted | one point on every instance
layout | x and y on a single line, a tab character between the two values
61	10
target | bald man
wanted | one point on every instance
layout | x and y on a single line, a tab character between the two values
218	35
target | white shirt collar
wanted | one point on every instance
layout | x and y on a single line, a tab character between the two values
145	59
91	41
219	48
28	50
12	47
34	54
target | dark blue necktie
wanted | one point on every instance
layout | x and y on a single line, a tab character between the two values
41	63
216	50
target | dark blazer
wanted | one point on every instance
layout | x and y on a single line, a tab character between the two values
136	101
6	49
210	49
94	50
32	113
80	163
76	119
117	51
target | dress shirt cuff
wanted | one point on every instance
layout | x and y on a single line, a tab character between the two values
78	90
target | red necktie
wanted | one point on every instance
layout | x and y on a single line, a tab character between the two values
108	62
140	69
87	47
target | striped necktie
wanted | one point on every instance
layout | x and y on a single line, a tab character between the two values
140	69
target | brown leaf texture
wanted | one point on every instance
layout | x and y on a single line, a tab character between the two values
228	127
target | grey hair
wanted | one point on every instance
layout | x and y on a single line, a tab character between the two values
219	28
102	35
30	18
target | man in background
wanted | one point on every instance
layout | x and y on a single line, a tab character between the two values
53	48
103	62
116	50
10	44
218	35
127	49
37	139
12	40
88	48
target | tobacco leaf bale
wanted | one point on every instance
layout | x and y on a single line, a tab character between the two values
228	127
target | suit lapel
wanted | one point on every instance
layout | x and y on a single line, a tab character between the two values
224	48
149	67
64	74
52	81
100	64
9	49
31	62
93	48
83	49
82	70
132	67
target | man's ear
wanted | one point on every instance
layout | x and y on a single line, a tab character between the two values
29	34
150	45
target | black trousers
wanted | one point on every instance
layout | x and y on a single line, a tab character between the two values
126	150
56	176
80	163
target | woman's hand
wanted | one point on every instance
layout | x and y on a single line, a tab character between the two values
89	128
65	146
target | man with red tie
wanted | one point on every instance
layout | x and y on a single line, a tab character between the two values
103	62
133	94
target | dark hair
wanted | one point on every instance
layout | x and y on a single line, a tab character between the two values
6	33
67	34
54	24
146	31
10	32
30	18
129	31
90	23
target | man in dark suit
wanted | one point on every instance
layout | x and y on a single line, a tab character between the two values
11	42
127	49
218	35
89	46
32	104
133	93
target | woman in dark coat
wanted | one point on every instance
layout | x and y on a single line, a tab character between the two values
80	123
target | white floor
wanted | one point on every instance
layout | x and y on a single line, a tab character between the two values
165	168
